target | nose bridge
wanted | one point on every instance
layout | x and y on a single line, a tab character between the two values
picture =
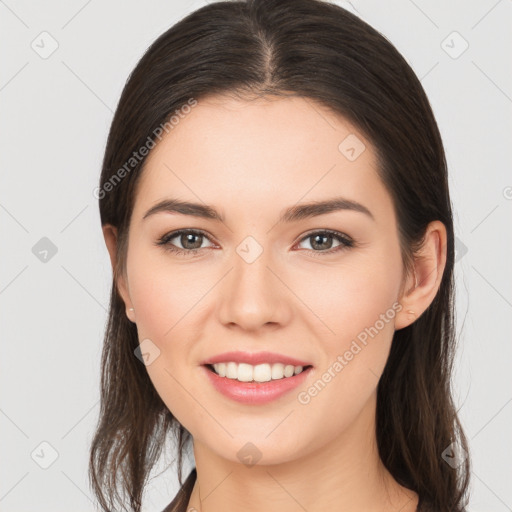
252	295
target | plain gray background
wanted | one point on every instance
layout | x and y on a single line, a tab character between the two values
55	114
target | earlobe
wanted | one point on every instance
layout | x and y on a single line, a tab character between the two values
423	285
110	235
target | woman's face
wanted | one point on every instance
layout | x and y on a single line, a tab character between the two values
261	284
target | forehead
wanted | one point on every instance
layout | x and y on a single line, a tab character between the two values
262	154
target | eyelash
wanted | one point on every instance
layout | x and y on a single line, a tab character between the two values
346	242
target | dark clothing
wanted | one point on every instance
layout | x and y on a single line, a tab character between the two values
180	502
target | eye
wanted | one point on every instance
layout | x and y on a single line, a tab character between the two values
190	239
322	242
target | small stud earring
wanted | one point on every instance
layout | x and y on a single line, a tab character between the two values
130	309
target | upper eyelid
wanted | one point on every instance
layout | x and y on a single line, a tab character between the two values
173	234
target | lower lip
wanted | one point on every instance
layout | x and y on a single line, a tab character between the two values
255	392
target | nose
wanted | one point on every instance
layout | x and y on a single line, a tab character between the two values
252	295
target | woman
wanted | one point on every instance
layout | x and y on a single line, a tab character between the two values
275	203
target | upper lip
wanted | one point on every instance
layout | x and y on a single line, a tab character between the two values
254	358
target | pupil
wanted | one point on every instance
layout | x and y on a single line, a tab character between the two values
320	237
189	238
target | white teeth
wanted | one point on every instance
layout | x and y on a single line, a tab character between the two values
259	373
231	371
244	372
278	371
221	369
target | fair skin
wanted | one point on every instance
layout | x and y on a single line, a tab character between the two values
251	161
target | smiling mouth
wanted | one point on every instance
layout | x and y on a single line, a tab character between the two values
260	373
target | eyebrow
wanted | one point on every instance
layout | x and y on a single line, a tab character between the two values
291	214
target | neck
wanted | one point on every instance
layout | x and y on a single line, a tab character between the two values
346	475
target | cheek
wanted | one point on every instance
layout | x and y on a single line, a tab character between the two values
357	306
361	312
169	305
345	299
163	294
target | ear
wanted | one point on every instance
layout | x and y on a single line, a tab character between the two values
110	235
421	288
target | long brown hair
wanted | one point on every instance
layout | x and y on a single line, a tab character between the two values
317	50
